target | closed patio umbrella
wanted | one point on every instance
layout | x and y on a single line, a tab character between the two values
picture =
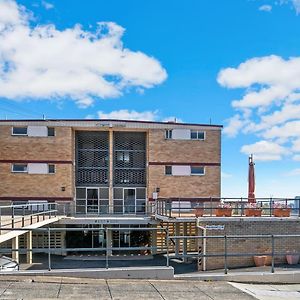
251	181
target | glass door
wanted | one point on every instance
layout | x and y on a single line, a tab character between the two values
92	202
129	201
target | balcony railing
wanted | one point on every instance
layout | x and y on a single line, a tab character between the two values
207	207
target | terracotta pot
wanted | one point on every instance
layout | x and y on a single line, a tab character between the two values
252	212
223	212
262	260
199	212
292	259
282	212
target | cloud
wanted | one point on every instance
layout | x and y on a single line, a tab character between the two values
265	7
125	114
225	175
295	172
42	62
269	108
265	150
47	5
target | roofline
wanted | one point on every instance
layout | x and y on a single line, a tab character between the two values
109	120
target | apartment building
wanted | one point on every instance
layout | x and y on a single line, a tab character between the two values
108	171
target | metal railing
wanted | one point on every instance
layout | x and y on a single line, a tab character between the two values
207	207
19	215
225	240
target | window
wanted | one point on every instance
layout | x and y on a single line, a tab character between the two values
196	170
168	134
51	131
168	170
123	157
19	168
51	169
19	131
197	135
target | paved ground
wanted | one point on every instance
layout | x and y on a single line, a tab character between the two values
67	288
271	291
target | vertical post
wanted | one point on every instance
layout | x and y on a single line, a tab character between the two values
185	242
179	207
154	242
111	166
168	261
273	250
225	255
12	217
270	206
15	247
49	250
211	208
29	247
23	216
106	256
177	241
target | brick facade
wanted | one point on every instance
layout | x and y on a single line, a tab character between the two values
250	226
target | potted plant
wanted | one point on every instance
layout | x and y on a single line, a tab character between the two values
292	257
253	210
281	210
264	259
223	210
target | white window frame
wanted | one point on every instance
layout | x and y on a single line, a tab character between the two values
52	173
19	134
198	174
13	171
168	134
197	139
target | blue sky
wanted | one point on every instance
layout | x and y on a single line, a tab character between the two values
163	59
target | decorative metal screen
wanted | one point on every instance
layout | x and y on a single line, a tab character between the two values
92	155
129	159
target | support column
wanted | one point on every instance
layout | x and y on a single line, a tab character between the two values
109	241
177	241
111	166
15	245
185	242
154	241
29	246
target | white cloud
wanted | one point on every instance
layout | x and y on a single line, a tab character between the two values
47	5
295	172
125	114
43	62
265	150
271	100
265	7
172	119
296	157
225	175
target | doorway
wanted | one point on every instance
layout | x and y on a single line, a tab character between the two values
129	201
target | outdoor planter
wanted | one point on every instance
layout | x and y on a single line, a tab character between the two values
262	260
223	212
292	259
282	212
199	212
252	212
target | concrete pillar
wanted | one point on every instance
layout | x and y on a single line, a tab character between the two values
109	241
177	241
154	241
15	245
185	241
111	166
29	246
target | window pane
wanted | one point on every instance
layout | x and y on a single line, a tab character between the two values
92	194
200	135
104	193
51	131
118	193
168	134
140	193
80	193
20	130
51	169
197	170
193	135
168	170
19	168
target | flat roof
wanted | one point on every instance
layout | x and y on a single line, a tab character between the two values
76	122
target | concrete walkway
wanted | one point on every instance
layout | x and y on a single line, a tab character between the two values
77	288
270	291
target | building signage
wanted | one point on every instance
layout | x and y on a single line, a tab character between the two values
215	227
